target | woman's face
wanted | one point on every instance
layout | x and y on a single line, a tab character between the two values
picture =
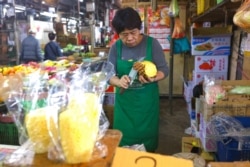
131	38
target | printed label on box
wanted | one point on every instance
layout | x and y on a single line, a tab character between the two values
211	64
219	45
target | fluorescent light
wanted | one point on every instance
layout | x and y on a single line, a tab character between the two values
48	14
20	8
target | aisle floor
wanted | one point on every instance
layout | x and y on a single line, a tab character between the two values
172	126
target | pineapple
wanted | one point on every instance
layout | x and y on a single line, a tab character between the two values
79	125
37	128
150	68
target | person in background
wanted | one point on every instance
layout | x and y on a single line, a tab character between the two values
52	50
136	110
30	49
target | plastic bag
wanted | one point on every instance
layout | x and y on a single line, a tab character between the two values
173	8
181	45
242	17
224	128
213	90
54	116
178	31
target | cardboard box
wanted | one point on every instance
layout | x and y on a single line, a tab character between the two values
188	143
198	77
211	41
230	106
125	157
229	164
211	63
246	66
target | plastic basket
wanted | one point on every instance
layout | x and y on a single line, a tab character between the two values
230	150
8	134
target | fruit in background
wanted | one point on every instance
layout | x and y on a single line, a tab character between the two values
150	68
48	63
79	125
89	54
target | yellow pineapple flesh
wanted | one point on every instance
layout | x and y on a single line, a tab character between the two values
37	129
79	125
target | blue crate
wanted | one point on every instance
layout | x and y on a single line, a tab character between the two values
230	149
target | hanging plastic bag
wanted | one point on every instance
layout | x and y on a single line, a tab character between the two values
173	8
178	31
242	17
181	45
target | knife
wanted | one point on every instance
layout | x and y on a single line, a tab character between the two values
132	75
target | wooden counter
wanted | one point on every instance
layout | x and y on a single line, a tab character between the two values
111	140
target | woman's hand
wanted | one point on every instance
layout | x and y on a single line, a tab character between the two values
124	82
145	79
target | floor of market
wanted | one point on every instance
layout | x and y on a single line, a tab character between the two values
172	126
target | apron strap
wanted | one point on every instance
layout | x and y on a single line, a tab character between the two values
119	48
149	47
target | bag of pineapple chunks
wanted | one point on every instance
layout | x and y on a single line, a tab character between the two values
81	122
63	116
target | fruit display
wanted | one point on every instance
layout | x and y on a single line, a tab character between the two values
61	117
19	69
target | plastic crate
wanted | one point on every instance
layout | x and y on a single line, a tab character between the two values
8	134
230	149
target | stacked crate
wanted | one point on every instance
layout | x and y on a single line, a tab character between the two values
234	105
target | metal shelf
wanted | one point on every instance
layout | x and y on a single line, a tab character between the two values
224	11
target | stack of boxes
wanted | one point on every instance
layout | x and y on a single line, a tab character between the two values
211	48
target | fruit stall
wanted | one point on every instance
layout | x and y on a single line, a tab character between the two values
63	100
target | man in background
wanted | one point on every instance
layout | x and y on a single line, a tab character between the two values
52	50
30	49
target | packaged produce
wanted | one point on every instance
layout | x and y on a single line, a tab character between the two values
61	116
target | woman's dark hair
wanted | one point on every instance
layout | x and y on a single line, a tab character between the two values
51	36
126	18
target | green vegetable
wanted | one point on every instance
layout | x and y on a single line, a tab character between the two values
240	90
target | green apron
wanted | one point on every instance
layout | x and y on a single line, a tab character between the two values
136	112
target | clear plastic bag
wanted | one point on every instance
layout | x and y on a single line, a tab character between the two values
224	127
213	90
63	116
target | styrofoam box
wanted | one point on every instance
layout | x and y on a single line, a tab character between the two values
211	63
198	77
188	91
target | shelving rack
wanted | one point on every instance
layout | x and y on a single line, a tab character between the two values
222	11
8	49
